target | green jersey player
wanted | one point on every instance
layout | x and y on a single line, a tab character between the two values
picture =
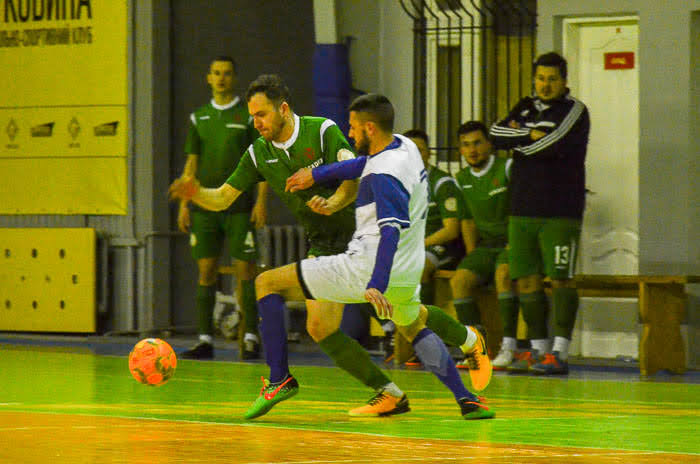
218	134
485	186
443	248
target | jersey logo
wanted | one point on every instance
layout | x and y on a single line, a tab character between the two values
271	161
451	204
309	153
203	117
497	191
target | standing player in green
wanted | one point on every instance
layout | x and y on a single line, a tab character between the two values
549	137
443	248
219	133
288	143
484	183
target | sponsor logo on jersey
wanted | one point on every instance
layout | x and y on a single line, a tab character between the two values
451	204
203	117
316	163
497	191
309	153
107	129
271	161
42	130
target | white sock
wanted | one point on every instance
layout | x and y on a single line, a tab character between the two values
251	337
469	342
561	345
393	389
206	339
509	343
541	345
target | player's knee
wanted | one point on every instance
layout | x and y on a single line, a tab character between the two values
264	284
463	282
317	329
502	278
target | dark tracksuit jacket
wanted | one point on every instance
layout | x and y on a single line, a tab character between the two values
547	175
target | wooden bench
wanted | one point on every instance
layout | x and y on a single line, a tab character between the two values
662	305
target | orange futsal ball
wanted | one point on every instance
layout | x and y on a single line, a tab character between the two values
152	362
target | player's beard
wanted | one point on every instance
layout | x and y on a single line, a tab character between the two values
362	145
276	129
479	164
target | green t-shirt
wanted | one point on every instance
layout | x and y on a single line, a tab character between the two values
219	135
315	141
487	197
445	199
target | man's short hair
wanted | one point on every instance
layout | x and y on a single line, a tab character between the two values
472	126
417	134
377	109
226	58
272	86
554	60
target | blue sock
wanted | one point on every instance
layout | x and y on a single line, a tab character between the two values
274	335
433	354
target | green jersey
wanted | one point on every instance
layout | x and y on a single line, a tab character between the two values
219	135
445	199
487	198
315	141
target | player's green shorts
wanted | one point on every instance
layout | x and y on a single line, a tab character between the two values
209	228
445	256
543	246
483	262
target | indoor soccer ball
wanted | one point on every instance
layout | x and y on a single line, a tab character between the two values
152	361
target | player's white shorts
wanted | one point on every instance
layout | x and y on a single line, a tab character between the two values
342	278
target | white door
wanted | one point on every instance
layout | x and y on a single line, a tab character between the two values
608	327
610	236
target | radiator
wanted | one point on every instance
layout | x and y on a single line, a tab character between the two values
280	245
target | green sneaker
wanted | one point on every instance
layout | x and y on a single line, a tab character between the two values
475	409
271	394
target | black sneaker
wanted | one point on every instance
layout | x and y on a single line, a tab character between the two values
475	409
201	350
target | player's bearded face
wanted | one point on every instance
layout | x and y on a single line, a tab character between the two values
549	84
361	142
475	148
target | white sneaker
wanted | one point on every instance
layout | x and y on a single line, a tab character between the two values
503	360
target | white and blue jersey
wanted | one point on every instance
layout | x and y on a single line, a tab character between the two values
387	249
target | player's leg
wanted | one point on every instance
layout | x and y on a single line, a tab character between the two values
242	246
410	320
559	242
508	306
525	265
206	241
270	288
474	269
427	286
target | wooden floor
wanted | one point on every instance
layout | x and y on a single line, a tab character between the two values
62	406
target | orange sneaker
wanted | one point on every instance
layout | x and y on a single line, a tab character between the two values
382	404
477	359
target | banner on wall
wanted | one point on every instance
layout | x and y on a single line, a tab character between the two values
63	106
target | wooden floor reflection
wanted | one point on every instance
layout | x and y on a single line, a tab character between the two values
34	438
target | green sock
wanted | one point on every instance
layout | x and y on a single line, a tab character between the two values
534	307
352	358
565	308
204	302
250	307
508	309
446	327
467	311
427	292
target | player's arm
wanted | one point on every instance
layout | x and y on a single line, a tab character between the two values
258	215
183	214
570	127
470	235
448	232
213	199
509	133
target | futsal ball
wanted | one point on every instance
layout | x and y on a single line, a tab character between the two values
152	362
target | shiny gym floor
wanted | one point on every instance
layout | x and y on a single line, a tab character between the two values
72	400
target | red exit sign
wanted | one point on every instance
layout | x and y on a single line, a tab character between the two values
619	60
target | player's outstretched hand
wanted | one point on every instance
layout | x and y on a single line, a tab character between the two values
320	205
300	180
384	309
183	188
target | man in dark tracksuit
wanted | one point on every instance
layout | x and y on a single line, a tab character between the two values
549	136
